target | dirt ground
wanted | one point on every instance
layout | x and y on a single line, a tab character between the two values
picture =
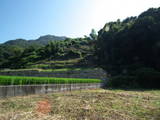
96	104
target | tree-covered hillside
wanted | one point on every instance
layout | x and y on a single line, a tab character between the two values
132	48
14	48
16	55
41	41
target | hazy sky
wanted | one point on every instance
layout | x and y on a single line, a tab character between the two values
30	19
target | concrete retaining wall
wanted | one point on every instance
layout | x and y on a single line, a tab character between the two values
23	90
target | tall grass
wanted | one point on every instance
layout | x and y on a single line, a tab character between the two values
19	80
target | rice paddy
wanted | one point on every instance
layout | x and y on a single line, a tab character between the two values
20	80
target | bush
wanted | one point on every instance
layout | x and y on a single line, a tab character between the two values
74	54
142	78
147	78
123	82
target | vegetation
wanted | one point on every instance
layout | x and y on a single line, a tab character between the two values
19	80
130	49
87	104
15	57
41	41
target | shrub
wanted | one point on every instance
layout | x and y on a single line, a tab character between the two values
142	78
74	54
122	81
147	78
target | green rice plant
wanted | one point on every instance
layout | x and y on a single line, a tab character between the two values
20	80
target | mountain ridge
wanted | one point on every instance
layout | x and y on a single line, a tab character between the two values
42	40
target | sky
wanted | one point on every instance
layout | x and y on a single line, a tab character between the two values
30	19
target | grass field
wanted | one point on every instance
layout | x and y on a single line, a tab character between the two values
19	80
84	105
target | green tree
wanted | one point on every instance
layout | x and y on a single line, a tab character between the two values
93	35
124	47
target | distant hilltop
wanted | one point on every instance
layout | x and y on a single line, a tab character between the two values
43	40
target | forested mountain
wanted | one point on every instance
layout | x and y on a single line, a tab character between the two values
14	48
18	42
132	48
12	56
41	41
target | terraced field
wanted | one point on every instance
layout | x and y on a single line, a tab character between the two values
56	66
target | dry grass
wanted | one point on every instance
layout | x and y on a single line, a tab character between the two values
84	105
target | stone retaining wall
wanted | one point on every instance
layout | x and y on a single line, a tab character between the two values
23	90
98	74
